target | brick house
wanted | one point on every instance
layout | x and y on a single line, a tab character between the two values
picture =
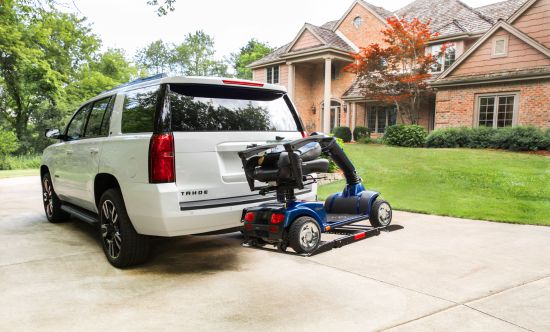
504	78
310	66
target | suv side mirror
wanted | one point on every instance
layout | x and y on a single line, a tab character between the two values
53	133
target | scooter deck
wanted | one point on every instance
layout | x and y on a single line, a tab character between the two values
347	235
350	234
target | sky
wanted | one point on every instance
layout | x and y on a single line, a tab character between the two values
132	24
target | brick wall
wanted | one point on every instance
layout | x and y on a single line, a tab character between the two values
455	107
368	32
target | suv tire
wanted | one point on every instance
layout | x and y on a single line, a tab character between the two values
122	245
52	203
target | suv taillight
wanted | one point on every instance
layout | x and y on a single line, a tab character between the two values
162	168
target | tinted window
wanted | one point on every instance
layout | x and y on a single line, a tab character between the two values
107	118
97	117
138	112
219	108
76	126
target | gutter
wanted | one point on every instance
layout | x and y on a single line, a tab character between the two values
481	81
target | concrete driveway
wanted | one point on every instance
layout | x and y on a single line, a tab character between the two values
435	274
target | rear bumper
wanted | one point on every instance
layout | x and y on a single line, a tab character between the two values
155	210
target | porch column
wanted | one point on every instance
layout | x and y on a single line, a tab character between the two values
353	116
328	90
348	111
291	84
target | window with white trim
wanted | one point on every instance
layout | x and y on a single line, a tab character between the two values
500	46
444	60
380	117
273	75
497	111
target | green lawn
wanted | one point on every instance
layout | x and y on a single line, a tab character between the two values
477	184
18	172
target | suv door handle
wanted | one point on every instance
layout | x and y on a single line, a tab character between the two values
94	150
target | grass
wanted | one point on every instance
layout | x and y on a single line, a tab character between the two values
18	173
477	184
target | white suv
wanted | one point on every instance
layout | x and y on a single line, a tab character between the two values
158	157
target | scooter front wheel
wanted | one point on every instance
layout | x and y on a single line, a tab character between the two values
304	235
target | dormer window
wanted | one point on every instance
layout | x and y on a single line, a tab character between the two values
500	46
444	59
357	21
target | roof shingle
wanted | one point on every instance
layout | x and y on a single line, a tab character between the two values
448	17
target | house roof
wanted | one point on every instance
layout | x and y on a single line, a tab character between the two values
501	10
326	36
378	10
355	90
449	17
500	25
330	38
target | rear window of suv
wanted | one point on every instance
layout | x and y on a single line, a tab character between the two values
221	108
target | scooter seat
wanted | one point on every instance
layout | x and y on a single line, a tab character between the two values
276	166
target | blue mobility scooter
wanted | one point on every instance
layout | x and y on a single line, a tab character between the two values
284	168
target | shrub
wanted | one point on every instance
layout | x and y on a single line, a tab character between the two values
482	137
405	135
519	139
360	132
343	132
8	144
19	162
365	140
511	138
449	138
547	139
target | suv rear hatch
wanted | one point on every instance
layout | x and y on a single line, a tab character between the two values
210	124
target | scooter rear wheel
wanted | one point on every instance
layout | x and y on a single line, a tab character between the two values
304	235
380	214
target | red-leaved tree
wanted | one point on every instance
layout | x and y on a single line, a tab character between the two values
397	71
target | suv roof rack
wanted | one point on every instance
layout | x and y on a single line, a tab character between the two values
137	81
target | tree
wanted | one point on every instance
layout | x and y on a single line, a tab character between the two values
39	50
252	51
193	57
49	64
199	48
397	71
155	58
164	8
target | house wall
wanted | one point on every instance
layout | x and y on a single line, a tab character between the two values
520	56
260	75
304	82
535	22
306	40
455	107
368	32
